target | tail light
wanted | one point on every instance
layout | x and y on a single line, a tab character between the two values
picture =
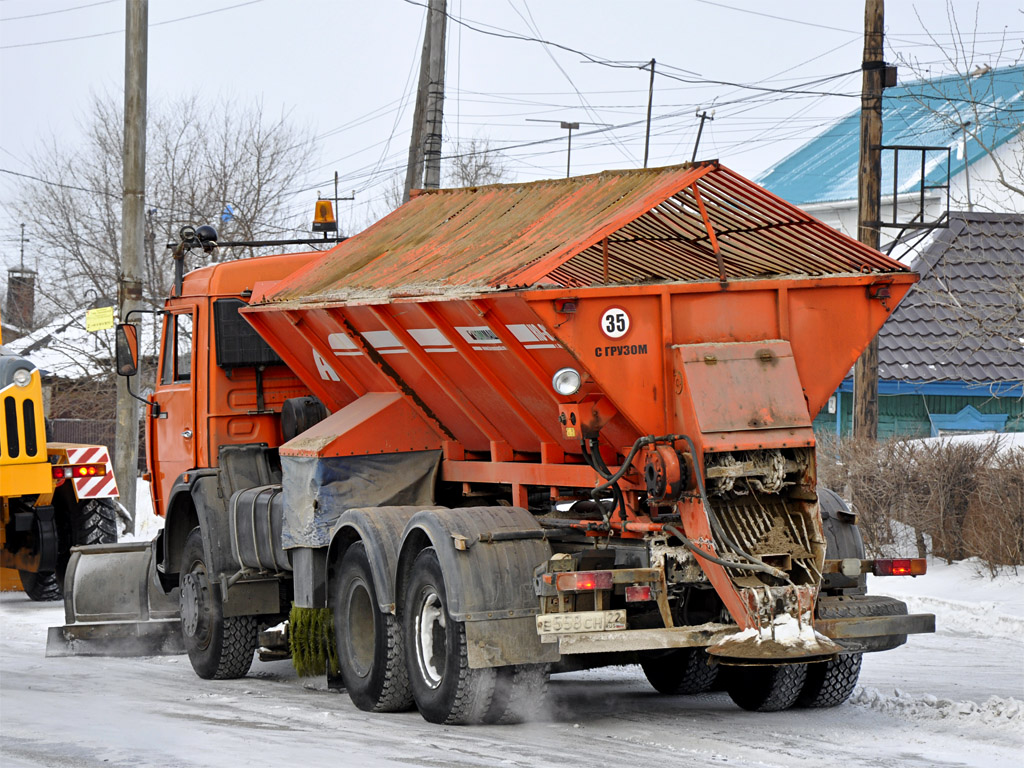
637	594
907	566
79	471
583	581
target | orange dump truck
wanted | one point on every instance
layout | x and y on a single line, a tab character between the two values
525	428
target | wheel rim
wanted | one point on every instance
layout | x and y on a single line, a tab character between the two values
430	638
194	606
362	636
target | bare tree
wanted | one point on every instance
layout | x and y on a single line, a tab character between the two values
221	163
471	163
976	114
475	163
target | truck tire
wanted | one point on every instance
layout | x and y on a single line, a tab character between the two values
219	648
766	689
41	587
369	642
445	689
830	683
842	539
864	606
519	692
95	523
680	671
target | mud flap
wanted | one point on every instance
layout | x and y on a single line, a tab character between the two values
114	605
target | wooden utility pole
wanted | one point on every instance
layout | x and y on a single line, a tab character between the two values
650	104
133	227
869	198
424	165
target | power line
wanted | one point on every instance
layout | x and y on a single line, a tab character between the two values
507	35
119	31
778	18
59	184
51	13
533	26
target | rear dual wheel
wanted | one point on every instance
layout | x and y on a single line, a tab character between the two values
818	685
830	683
680	671
519	692
369	641
445	688
766	688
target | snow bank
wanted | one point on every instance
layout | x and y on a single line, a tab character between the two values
147	524
995	712
1005	441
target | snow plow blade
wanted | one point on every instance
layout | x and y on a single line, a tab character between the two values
114	606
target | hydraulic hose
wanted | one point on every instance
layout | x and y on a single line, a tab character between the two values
761	567
628	461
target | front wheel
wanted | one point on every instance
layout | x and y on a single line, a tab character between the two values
369	642
219	648
444	687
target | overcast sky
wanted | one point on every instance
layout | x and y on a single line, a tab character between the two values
347	69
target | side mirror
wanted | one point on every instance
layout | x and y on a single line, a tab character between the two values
126	347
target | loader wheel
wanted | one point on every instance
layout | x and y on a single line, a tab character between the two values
519	692
766	689
830	683
41	587
680	671
444	687
219	648
95	523
369	642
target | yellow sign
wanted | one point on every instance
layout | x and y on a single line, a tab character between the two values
99	319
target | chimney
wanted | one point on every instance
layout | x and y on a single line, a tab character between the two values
21	298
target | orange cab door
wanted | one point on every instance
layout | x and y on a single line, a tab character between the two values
172	432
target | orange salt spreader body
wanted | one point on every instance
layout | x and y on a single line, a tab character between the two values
689	301
556	423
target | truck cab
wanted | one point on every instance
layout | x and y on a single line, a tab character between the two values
218	385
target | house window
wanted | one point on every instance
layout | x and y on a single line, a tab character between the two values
967	420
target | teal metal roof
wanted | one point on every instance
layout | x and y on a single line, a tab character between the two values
922	113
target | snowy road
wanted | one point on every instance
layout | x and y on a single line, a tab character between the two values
959	705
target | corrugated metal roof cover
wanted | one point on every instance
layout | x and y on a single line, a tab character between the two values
923	113
553	233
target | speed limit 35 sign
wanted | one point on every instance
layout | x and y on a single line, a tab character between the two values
615	323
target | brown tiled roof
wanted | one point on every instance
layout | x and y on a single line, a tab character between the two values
964	321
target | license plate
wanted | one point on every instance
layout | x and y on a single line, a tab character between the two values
580	621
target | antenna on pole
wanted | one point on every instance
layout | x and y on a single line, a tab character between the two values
574	126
